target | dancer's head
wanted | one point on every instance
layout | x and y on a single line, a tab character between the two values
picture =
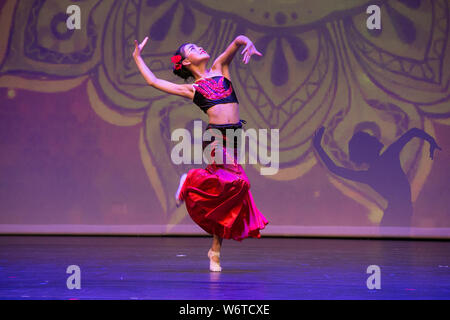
186	58
364	148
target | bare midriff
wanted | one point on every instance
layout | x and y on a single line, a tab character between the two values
223	113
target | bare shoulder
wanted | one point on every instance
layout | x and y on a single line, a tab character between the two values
189	90
186	90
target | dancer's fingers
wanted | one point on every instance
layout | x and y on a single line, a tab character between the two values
144	42
136	51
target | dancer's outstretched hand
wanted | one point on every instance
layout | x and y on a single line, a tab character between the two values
433	146
318	137
138	47
248	51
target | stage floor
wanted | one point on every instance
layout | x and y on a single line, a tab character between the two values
177	268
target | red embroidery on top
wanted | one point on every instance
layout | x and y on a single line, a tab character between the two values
213	90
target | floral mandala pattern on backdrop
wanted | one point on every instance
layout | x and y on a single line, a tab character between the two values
321	67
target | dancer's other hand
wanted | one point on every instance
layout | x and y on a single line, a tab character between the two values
433	147
138	47
248	51
317	140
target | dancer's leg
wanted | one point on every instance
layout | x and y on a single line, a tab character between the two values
178	200
216	246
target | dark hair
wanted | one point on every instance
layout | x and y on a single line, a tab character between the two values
183	72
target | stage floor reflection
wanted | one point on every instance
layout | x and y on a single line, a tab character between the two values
35	267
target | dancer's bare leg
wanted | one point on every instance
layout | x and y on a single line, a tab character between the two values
216	246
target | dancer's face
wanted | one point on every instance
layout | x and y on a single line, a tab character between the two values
195	54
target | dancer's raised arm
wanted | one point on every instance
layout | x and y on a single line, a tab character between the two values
358	176
184	90
222	62
398	145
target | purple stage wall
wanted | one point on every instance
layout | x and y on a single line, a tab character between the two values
85	143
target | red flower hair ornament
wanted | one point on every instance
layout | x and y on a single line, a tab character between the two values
176	60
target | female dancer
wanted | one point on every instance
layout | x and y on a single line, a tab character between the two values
217	198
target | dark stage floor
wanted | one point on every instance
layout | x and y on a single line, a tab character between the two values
177	268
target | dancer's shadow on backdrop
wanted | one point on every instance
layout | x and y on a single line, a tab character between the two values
385	174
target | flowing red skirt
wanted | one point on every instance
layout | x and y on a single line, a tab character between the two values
219	200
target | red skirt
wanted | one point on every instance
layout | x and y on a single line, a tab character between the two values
218	198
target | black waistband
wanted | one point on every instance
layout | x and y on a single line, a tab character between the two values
227	125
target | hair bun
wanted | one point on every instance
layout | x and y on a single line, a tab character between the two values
178	68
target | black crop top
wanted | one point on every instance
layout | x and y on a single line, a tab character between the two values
212	91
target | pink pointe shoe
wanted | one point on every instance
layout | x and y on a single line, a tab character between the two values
214	266
178	201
